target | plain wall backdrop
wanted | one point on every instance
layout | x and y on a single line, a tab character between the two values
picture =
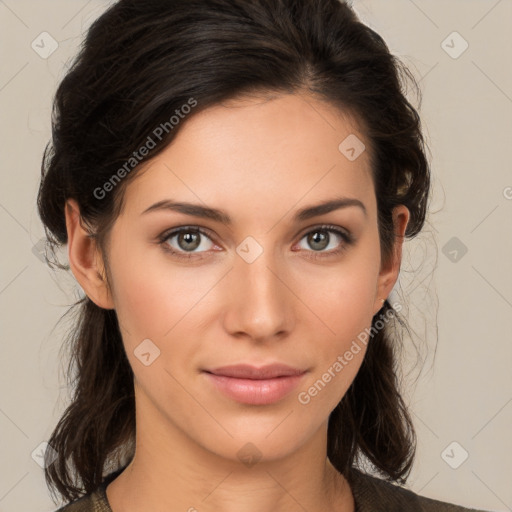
457	275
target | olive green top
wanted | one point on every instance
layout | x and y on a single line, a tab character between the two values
371	494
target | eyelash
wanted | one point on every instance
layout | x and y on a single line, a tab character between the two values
347	238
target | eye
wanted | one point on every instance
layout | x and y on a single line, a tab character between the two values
320	238
187	240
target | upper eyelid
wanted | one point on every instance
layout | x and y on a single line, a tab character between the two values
208	233
175	231
324	227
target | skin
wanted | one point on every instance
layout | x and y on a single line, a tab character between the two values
260	161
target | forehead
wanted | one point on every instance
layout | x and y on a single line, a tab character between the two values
258	153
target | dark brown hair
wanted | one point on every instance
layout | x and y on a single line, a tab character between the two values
141	62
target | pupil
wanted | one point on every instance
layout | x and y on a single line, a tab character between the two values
319	237
189	239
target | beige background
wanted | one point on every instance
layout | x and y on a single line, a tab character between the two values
464	301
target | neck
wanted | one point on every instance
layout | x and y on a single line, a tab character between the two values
172	471
274	490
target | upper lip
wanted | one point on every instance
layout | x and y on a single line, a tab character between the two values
247	371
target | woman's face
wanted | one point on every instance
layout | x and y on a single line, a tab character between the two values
267	287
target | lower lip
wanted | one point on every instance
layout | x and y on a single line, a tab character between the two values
255	392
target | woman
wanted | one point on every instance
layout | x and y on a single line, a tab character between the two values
234	180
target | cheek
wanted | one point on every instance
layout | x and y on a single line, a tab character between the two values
342	298
151	295
341	342
342	302
163	304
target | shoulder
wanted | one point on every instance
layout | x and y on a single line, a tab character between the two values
95	501
92	502
374	494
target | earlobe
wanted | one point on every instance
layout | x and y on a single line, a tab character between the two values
390	270
84	258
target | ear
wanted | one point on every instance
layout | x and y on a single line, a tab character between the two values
85	259
389	270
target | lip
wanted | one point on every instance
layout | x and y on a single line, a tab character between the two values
248	371
256	386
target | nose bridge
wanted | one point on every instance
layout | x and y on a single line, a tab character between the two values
260	302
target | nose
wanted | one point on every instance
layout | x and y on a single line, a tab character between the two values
259	302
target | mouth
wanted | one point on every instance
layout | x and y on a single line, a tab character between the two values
256	386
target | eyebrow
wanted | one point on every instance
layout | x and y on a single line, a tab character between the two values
197	210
